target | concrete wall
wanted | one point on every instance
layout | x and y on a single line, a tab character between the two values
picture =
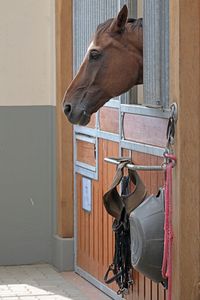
27	131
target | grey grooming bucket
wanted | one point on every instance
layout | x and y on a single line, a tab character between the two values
147	237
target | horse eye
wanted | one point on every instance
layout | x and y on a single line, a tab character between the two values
94	54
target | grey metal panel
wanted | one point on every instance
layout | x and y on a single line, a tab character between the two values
85	172
156	53
144	148
85	138
165	53
145	111
82	165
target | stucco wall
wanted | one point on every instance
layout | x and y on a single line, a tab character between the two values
27	52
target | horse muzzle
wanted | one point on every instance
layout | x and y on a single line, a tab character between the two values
76	114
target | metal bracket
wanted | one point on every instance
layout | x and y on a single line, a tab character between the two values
174	111
172	124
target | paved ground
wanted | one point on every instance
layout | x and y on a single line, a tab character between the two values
42	282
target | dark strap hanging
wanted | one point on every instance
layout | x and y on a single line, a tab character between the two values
114	203
120	207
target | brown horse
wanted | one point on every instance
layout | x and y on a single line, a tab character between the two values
112	65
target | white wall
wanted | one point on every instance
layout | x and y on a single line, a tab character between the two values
27	52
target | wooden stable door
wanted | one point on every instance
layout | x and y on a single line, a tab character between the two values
95	239
118	129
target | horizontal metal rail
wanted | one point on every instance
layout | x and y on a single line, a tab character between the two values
134	167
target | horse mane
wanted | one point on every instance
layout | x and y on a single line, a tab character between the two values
134	22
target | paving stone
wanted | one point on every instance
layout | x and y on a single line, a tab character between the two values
10	298
53	297
7	293
65	298
43	282
28	298
38	291
46	282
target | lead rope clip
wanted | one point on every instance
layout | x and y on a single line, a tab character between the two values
171	125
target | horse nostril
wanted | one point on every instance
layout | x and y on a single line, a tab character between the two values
67	109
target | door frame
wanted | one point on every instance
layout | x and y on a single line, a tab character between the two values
64	73
185	90
184	68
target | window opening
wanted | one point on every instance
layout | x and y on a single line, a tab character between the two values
89	14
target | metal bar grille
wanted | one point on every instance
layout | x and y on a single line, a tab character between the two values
156	52
87	16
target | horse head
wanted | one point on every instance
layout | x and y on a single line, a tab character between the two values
112	65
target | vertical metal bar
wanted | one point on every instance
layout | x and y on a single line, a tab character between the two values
164	39
151	38
156	52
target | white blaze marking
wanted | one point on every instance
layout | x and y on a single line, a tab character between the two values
90	46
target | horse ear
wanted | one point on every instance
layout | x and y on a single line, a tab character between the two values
118	24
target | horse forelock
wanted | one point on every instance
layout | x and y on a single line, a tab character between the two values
103	26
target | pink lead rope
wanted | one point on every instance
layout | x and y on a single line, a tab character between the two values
168	232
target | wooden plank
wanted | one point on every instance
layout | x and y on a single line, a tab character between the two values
147	130
86	152
104	213
111	235
109	119
96	224
79	219
87	235
155	294
153	160
64	128
141	287
92	123
91	229
161	293
148	289
112	151
100	210
185	90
